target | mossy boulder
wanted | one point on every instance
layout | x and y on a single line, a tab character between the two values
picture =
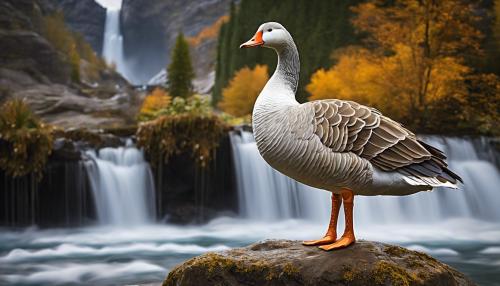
285	262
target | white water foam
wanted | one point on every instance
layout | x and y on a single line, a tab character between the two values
433	251
130	255
70	250
89	274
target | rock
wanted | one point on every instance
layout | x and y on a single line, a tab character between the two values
30	53
66	107
285	262
86	17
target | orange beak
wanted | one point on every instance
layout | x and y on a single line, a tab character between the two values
254	42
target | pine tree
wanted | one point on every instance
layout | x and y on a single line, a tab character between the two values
180	70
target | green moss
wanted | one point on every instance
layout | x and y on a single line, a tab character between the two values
215	263
290	269
349	274
25	141
168	135
396	251
385	272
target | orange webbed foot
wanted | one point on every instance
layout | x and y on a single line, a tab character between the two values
343	242
327	239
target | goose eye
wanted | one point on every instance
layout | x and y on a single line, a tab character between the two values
269	30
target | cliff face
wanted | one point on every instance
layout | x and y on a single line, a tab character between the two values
150	30
86	17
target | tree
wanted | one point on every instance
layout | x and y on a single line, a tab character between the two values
317	27
239	97
158	100
180	70
417	57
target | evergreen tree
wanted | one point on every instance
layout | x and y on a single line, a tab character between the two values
318	27
180	70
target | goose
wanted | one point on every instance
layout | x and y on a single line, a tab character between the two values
337	145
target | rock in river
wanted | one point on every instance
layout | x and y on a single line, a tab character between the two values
285	262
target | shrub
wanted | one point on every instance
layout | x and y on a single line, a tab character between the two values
158	100
184	126
168	135
240	95
25	142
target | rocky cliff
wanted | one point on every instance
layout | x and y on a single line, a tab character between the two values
31	67
86	17
150	31
285	262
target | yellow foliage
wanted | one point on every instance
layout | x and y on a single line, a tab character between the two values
390	83
416	59
209	32
158	99
239	96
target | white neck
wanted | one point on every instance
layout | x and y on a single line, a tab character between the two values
281	87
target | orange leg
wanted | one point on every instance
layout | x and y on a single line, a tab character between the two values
331	233
348	236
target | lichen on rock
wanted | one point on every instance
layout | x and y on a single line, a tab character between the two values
285	262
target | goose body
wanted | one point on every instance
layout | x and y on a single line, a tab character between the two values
336	145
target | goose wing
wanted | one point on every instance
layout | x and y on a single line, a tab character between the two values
346	126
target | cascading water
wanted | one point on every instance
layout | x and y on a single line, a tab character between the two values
122	185
266	194
112	49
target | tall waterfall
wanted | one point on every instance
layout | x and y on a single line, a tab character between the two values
265	194
122	185
112	49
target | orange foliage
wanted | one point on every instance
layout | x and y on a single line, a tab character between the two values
209	32
390	83
416	60
239	97
158	99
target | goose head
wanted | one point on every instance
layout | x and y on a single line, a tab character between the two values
270	35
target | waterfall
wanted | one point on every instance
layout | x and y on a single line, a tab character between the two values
122	185
112	49
265	194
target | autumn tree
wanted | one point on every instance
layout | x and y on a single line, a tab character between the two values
416	56
239	97
180	70
158	99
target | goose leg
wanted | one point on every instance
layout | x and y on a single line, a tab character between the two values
348	236
331	233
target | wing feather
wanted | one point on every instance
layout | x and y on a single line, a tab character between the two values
345	126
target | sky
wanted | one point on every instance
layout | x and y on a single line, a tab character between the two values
110	4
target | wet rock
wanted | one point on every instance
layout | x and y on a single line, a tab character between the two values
285	262
65	149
